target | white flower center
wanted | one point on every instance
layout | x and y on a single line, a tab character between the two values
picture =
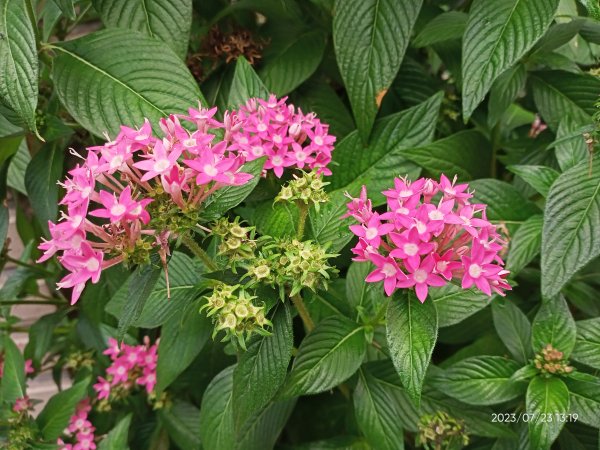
85	192
121	370
161	165
371	233
475	270
117	210
411	249
436	215
92	265
136	211
388	270
421	227
318	140
420	276
261	127
116	162
406	193
300	156
279	117
257	150
243	140
210	170
189	142
402	210
441	266
277	139
277	160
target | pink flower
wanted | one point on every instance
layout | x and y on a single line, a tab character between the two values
421	276
159	161
115	209
119	371
102	388
22	404
373	230
410	246
388	271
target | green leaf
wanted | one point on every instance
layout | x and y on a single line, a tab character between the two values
326	225
12	383
328	356
443	27
498	34
167	20
292	62
116	76
377	412
370	38
229	197
525	245
67	7
378	163
41	335
18	165
118	436
141	285
592	7
571	220
539	177
513	328
182	338
217	428
481	380
55	416
19	68
262	430
560	94
554	324
585	399
503	200
504	91
181	422
587	342
466	154
412	330
185	281
7	128
546	397
454	304
277	220
245	84
261	370
570	147
558	35
40	181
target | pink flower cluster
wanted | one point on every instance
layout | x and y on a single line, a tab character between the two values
80	429
131	365
429	235
117	181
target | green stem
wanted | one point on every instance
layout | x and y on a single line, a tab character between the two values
31	302
304	315
303	208
190	243
18	262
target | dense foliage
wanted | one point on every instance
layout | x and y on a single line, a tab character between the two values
293	224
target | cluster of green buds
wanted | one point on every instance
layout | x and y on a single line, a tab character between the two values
441	431
287	262
21	436
550	361
307	189
80	360
235	313
236	241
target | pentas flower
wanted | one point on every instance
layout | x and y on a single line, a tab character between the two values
429	236
80	431
130	196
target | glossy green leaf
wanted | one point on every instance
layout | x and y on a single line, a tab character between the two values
466	154
261	370
443	27
328	356
559	94
292	62
376	164
539	177
554	324
18	165
43	171
167	20
571	221
498	34
525	244
504	91
558	35
570	147
55	416
19	68
117	437
12	383
587	342
370	38
377	412
546	396
411	331
181	422
481	380
217	428
454	304
585	399
182	338
116	76
245	84
504	201
513	328
262	430
326	224
67	7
